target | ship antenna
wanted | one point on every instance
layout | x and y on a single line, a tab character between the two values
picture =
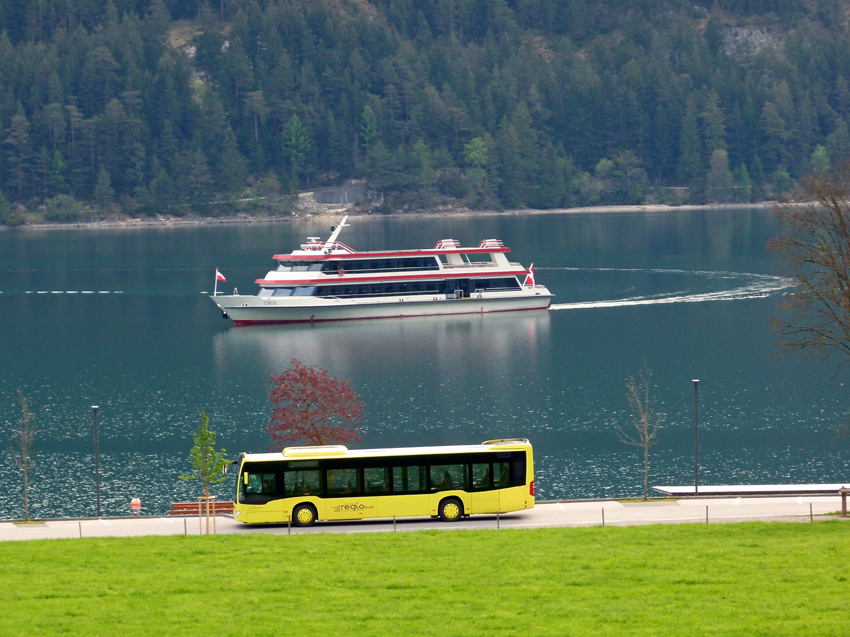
335	233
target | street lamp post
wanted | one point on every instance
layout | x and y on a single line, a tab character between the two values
696	437
96	460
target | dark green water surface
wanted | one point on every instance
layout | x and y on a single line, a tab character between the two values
117	317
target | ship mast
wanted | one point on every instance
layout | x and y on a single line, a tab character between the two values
335	233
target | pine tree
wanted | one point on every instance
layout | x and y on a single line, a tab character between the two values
690	150
200	178
775	137
510	168
475	155
368	130
230	165
297	146
713	124
842	97
19	152
838	142
718	182
745	186
256	105
423	161
819	161
54	118
103	191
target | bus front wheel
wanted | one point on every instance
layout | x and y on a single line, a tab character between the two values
304	515
451	510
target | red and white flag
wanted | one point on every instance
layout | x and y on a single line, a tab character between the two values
529	278
219	276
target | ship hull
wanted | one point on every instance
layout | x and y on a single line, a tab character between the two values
253	310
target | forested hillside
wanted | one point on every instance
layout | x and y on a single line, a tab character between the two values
146	107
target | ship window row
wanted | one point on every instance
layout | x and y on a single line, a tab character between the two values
395	287
389	476
360	265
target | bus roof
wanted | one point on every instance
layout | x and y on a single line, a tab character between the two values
340	451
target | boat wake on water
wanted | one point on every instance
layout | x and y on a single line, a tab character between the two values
743	286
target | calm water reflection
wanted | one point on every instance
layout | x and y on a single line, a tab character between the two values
118	318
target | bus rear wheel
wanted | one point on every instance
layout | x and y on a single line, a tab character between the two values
451	510
304	515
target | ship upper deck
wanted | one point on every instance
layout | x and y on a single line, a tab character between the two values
315	250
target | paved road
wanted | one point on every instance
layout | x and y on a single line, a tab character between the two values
550	514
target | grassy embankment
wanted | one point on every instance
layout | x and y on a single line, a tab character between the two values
731	579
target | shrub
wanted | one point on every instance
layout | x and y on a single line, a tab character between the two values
63	208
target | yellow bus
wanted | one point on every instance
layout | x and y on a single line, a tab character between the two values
305	484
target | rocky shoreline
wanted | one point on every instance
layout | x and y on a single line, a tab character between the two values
335	211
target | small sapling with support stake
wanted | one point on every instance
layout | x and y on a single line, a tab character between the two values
207	463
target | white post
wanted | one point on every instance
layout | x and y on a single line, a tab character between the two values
215	289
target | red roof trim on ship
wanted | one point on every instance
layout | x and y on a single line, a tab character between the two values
372	255
334	279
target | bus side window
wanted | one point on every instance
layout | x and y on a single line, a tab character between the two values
503	472
376	479
302	482
343	482
481	476
260	488
448	476
518	473
408	479
255	484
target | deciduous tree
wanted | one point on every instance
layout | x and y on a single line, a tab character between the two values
312	407
718	183
815	250
628	164
646	419
20	449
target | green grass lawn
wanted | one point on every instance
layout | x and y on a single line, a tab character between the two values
726	579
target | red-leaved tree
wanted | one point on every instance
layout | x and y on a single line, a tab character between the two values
313	408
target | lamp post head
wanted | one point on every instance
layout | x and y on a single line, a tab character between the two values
695	381
95	407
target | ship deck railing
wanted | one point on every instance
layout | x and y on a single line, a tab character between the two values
408	293
478	264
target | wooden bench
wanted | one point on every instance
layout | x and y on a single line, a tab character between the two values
191	508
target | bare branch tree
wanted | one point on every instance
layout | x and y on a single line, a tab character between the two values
646	419
815	251
20	448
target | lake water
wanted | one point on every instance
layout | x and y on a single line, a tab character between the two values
118	318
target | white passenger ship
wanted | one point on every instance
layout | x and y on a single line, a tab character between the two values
328	281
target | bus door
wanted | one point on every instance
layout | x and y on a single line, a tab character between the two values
485	495
345	498
509	479
260	489
408	492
